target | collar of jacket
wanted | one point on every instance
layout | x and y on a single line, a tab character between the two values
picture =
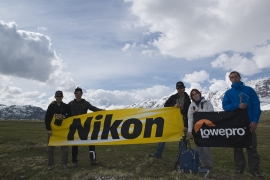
201	100
82	100
237	85
184	93
60	104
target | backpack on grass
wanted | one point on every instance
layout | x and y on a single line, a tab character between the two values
189	161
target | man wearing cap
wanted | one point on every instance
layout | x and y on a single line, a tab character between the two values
179	100
61	111
80	106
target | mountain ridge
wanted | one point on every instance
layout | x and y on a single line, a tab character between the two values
261	86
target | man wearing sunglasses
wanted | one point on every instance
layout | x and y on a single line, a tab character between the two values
80	106
61	111
179	100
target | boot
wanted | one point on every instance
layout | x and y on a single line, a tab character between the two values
93	160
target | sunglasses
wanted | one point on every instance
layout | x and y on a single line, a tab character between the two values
179	87
58	96
78	93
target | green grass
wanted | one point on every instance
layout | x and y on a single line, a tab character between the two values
23	156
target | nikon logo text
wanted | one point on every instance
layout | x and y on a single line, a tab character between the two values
129	129
205	133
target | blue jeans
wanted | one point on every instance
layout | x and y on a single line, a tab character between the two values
160	149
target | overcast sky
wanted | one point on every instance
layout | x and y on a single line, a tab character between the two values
126	51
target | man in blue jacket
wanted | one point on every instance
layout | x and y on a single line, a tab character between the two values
244	97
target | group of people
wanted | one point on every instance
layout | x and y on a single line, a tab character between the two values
231	101
187	108
61	111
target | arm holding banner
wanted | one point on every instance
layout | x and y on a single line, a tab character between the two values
171	101
92	108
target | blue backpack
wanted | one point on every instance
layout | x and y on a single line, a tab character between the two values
189	161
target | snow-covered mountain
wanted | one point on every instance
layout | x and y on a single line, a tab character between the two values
261	86
21	112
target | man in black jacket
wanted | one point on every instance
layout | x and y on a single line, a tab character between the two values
61	111
179	100
80	106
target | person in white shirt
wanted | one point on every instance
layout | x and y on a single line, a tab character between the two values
199	104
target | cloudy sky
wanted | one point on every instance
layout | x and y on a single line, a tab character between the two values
126	51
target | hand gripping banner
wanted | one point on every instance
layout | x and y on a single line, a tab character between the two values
222	129
122	126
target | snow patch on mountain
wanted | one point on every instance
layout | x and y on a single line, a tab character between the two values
261	86
21	112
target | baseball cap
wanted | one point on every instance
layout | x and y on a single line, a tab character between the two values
59	93
180	84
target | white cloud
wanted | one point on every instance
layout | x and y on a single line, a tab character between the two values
262	56
218	85
14	90
42	28
32	94
148	52
158	78
29	55
126	47
196	76
25	54
103	53
236	62
194	29
104	97
12	95
194	85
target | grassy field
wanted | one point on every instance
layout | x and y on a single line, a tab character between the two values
23	156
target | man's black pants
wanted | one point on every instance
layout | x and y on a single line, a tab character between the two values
75	153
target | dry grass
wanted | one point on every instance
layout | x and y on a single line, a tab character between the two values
23	156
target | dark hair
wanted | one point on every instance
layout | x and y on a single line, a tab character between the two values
236	73
197	91
78	89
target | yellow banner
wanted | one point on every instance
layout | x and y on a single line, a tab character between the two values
122	126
